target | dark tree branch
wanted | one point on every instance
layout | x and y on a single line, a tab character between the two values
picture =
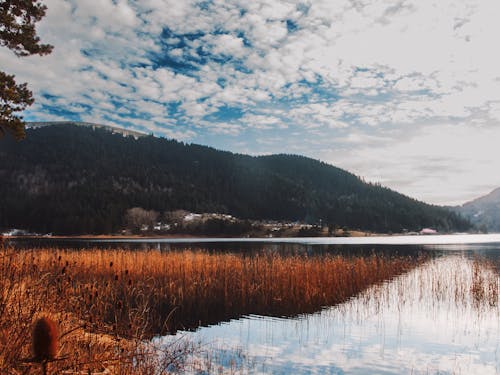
17	27
13	98
18	33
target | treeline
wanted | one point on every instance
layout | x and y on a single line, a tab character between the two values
73	179
141	221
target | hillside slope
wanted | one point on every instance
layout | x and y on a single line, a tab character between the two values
484	212
74	179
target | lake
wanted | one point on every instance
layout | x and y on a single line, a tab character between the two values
442	316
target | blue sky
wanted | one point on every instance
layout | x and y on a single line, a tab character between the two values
405	93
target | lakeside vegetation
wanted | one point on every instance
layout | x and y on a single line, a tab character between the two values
450	302
109	303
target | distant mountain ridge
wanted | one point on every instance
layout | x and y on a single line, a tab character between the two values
484	211
70	179
113	129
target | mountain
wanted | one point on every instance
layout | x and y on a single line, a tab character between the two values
71	179
112	129
484	212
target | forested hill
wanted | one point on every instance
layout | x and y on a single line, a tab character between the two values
72	179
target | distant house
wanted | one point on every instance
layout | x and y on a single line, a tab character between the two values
428	231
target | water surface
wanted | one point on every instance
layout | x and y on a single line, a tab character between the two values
442	317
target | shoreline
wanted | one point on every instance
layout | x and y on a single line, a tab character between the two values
183	236
446	240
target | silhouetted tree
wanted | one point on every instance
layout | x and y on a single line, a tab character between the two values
18	33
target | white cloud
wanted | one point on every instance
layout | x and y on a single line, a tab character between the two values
228	45
224	128
438	163
263	122
317	114
415	83
420	66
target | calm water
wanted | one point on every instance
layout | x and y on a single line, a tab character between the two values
442	317
172	243
430	320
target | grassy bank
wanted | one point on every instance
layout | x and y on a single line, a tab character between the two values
107	302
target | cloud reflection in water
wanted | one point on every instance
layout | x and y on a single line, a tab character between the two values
441	317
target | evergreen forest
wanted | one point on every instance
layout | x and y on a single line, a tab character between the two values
68	179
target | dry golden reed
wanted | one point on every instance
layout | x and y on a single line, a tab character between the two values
110	301
188	288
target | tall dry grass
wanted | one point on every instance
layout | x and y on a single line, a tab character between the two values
109	302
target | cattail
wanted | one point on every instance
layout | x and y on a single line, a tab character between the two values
45	340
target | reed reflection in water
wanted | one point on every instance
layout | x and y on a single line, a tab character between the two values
442	317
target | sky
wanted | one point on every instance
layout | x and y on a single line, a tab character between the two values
402	93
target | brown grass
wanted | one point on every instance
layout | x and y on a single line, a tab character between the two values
108	302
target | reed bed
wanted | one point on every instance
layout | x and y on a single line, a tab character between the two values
176	290
109	302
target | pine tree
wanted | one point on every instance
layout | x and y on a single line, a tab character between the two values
18	33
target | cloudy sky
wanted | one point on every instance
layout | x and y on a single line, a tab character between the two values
405	93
